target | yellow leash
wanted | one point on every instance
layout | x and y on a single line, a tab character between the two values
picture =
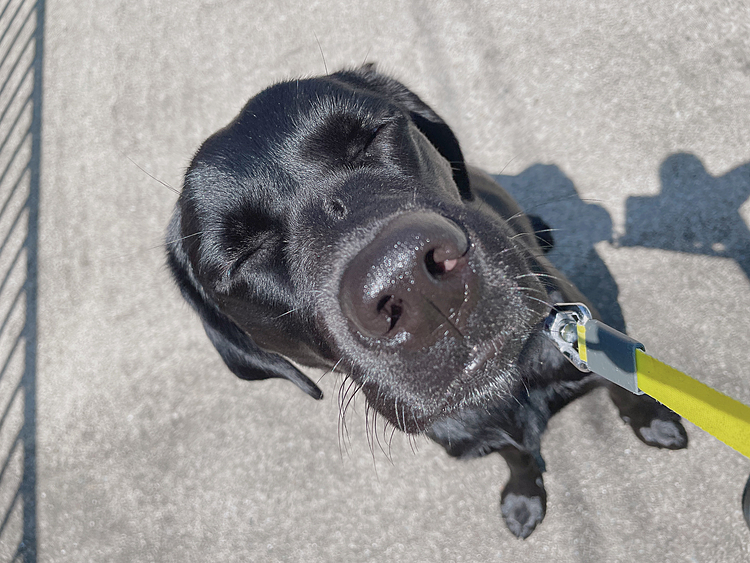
593	346
719	415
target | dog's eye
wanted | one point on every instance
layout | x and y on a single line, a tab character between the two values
364	141
241	250
235	265
341	140
373	133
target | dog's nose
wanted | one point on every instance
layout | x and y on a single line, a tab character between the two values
411	280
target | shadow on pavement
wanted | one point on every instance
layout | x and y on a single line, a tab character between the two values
21	49
577	225
695	212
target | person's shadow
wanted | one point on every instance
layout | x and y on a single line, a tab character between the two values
695	212
577	225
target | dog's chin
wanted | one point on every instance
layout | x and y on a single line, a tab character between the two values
396	410
489	375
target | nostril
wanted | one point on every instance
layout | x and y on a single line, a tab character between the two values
391	308
434	268
440	262
383	302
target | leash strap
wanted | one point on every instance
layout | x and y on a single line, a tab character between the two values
595	347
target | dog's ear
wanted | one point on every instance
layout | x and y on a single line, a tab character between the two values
427	121
237	349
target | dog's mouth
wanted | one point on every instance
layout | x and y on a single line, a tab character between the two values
487	369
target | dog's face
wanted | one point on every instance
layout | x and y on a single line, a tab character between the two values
332	223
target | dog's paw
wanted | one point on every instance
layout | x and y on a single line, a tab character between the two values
656	425
522	514
523	507
653	423
662	433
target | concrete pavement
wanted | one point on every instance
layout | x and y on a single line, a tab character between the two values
123	437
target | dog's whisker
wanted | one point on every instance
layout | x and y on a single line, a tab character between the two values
345	440
412	443
322	56
342	397
542	301
371	417
537	275
352	396
395	410
508	164
376	436
153	177
390	442
386	425
368	428
345	398
534	234
542	277
517	215
536	289
175	241
332	370
159	246
289	312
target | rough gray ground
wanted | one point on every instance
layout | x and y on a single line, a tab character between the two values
625	124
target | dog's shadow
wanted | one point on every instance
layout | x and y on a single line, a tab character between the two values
577	225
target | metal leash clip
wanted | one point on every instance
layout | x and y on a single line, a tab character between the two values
561	326
592	346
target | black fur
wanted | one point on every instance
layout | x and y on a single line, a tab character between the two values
335	223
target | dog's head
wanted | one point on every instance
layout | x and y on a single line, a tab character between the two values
332	223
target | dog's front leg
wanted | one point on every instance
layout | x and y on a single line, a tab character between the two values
514	434
523	501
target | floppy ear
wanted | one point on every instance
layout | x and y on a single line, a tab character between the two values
237	349
427	121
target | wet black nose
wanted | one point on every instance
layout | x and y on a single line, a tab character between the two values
411	279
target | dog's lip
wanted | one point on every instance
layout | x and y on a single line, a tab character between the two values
481	353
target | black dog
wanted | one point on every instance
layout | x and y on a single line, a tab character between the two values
335	223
